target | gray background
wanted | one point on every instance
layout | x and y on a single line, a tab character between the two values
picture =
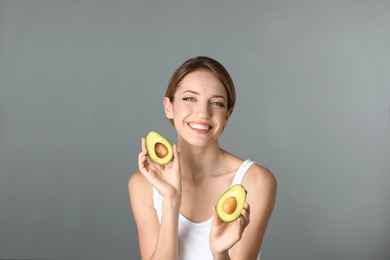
82	81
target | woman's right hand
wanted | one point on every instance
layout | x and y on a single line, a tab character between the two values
166	179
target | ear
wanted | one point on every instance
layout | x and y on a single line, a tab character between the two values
229	113
168	108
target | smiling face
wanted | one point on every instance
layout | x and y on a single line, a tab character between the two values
199	108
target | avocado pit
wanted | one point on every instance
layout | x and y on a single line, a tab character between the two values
229	205
161	150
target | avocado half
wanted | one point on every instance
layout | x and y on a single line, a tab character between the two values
230	204
159	148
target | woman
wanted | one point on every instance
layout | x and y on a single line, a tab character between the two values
174	205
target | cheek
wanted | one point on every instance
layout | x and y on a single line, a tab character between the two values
181	109
223	114
179	112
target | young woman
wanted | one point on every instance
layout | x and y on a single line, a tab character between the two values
174	205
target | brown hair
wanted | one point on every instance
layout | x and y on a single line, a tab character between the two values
203	63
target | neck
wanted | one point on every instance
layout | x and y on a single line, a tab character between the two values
198	162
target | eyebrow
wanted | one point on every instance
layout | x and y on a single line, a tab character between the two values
197	93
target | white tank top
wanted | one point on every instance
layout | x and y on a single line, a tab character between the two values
194	237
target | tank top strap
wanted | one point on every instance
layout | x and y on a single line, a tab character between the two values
241	171
157	202
157	198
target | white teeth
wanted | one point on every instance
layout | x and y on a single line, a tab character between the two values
200	127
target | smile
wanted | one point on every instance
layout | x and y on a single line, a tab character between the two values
199	126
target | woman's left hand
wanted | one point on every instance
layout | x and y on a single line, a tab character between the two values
224	236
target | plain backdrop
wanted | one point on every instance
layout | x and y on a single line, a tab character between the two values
82	81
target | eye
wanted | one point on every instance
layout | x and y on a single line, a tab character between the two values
218	104
189	99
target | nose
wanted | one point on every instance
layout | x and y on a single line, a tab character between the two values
203	110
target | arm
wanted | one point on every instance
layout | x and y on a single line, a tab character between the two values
157	241
261	186
245	235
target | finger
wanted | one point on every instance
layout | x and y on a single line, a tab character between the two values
141	159
216	219
143	152
143	145
152	166
176	157
246	213
247	207
142	163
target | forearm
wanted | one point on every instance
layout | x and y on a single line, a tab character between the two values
167	242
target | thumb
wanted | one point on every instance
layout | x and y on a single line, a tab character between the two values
216	219
176	157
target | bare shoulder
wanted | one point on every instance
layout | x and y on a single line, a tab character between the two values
137	179
260	175
139	188
260	182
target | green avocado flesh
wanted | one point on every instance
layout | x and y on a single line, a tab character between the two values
159	148
230	204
